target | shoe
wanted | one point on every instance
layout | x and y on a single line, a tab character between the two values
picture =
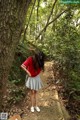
37	109
32	109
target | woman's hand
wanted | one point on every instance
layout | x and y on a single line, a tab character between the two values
28	73
24	68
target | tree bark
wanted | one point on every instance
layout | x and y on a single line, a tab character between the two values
12	16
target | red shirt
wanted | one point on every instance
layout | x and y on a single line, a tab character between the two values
29	66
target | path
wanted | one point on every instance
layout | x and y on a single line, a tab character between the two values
51	108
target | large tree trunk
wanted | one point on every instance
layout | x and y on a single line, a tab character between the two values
12	16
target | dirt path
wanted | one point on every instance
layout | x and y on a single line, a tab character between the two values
51	108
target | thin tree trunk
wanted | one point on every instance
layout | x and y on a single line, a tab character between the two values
12	16
57	16
24	36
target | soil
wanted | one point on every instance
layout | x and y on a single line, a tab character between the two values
52	107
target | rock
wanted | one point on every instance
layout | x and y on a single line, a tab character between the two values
15	117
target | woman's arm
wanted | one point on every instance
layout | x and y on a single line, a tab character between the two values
24	68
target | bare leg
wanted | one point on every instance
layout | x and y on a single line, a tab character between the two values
32	97
35	101
35	98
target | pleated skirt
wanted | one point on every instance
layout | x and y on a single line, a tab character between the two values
34	83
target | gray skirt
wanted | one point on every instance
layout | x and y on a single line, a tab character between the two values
34	83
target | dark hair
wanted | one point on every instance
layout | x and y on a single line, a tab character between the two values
38	60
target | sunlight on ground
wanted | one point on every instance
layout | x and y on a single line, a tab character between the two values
48	63
46	103
56	95
47	99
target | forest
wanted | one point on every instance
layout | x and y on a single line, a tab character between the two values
40	25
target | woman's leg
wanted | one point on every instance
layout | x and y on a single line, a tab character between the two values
35	98
35	101
32	98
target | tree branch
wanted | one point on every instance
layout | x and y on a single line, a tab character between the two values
51	11
28	20
57	17
44	29
50	15
33	46
38	8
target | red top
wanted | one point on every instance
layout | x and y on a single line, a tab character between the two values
29	66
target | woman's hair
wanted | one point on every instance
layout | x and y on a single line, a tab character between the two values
38	60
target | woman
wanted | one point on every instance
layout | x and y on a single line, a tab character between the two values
33	66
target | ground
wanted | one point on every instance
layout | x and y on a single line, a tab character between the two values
50	104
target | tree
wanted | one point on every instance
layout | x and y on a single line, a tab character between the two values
12	18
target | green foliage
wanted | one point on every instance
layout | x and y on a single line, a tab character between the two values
17	74
67	50
60	41
16	94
